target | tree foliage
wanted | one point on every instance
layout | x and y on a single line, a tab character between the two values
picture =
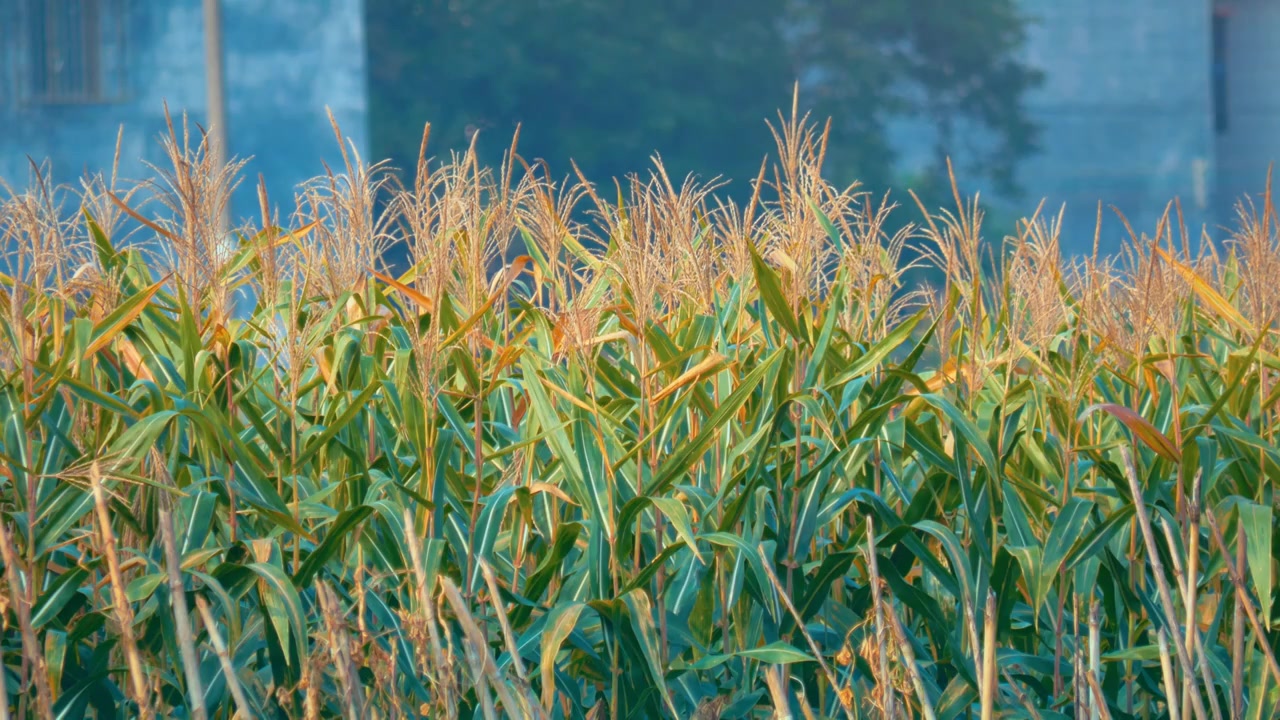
608	83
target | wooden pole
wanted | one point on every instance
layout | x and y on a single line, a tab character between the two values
215	89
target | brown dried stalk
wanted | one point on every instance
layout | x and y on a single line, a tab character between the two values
1166	670
528	700
1079	686
1186	586
882	637
1242	592
1189	601
224	657
123	610
529	703
339	641
1157	569
813	645
439	670
495	599
1099	700
178	598
1095	648
30	645
990	682
1237	635
773	679
483	665
909	661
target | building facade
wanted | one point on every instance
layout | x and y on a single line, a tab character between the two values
73	73
1144	102
1247	138
1126	113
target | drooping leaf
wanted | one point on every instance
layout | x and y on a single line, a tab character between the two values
1141	428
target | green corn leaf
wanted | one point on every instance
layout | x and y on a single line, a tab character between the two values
1257	521
111	326
777	653
560	622
592	462
357	404
1067	529
641	612
284	608
56	596
346	522
818	588
687	453
487	527
775	300
655	566
875	356
198	513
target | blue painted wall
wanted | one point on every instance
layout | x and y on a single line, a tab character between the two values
1126	118
1250	141
286	60
1126	111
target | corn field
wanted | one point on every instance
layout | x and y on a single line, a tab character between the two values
629	450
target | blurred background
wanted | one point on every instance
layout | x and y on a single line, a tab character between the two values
1129	102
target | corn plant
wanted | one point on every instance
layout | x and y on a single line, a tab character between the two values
626	451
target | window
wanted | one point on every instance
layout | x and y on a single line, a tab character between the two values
1220	103
71	51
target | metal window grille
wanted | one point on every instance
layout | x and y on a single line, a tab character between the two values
70	51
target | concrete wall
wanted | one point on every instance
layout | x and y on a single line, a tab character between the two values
1251	141
286	60
1126	112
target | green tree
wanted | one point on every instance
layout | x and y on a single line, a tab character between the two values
607	83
